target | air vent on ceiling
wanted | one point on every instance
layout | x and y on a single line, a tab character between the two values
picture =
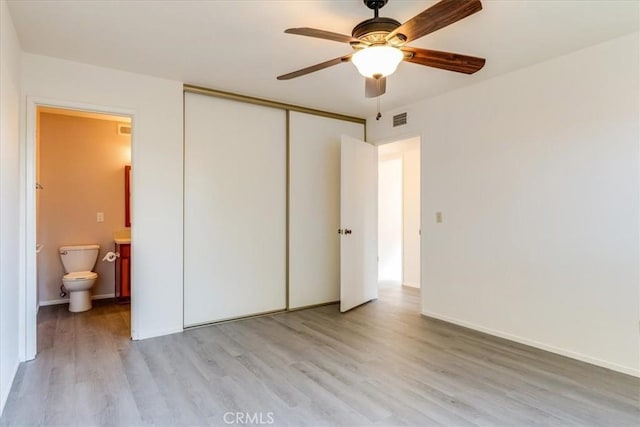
400	119
124	129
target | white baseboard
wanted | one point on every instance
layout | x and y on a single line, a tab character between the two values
411	284
155	333
561	351
66	300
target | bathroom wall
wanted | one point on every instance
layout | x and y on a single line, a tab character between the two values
81	170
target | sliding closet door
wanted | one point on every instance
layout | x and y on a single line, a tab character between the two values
234	209
314	207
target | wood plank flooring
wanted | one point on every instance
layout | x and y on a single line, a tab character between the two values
381	364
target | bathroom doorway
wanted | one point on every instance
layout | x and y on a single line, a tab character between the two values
399	230
81	166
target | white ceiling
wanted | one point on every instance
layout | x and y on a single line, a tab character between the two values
239	46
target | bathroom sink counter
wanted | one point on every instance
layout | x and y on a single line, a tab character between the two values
122	237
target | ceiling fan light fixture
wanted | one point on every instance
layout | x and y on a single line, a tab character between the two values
377	60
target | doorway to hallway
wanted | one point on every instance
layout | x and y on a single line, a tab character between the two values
399	214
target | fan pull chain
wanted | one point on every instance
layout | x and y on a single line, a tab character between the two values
378	83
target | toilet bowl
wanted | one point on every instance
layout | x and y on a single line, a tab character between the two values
78	262
79	285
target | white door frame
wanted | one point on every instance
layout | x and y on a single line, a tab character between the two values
27	328
399	138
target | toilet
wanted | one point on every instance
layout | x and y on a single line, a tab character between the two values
78	262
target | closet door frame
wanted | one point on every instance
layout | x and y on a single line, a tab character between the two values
287	108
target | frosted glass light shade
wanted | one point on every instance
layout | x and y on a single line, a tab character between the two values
377	60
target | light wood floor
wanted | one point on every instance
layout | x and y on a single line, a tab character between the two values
381	364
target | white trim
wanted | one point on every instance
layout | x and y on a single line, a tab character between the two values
155	333
29	312
27	329
563	352
397	138
411	284
66	300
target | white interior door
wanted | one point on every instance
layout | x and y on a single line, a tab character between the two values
358	223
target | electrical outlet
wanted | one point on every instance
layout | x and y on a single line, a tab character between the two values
438	217
100	217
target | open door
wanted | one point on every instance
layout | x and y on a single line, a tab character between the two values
358	223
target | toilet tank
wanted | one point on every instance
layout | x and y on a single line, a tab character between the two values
79	258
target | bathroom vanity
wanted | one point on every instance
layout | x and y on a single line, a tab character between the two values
123	272
123	265
122	239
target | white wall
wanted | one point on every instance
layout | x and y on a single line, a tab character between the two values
536	173
9	207
157	175
411	216
407	243
390	219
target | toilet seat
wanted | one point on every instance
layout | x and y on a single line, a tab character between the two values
80	275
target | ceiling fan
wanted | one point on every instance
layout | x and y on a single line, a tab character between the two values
380	43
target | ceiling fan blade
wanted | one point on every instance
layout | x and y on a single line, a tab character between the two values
444	13
374	87
321	34
444	60
316	67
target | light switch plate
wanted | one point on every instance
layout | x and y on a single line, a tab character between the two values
100	217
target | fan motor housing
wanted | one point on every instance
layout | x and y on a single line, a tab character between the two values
375	4
374	30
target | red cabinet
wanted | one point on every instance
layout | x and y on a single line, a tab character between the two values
123	272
